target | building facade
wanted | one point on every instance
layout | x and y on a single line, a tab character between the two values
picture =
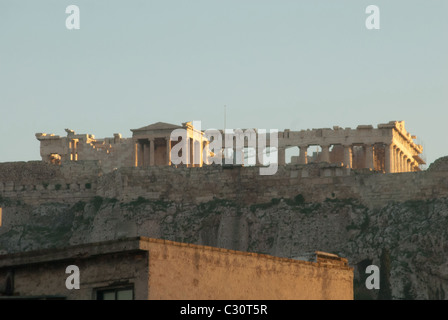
389	148
143	268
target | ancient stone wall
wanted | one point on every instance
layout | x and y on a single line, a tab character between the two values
37	182
356	214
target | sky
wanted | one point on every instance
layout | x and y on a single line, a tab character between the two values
287	64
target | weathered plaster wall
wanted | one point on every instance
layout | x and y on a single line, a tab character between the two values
45	275
194	272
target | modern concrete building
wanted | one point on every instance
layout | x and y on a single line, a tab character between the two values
143	268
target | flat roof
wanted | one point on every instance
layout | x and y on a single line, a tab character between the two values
139	244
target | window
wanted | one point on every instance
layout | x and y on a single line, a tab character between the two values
123	293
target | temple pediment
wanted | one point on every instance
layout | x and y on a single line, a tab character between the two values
158	126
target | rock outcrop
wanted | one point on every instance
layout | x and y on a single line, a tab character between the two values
408	241
395	221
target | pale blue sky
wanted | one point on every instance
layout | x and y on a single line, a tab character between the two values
275	64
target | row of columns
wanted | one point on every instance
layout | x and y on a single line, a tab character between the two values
399	161
325	155
395	159
145	152
73	149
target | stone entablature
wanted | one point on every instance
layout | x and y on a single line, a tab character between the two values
388	148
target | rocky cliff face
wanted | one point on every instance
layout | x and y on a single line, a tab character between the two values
407	240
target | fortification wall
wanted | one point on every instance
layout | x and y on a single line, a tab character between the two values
392	217
38	182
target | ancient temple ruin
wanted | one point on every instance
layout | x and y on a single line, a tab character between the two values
389	148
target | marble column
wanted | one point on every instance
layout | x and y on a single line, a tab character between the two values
206	153
75	150
151	152
281	153
401	161
192	153
258	157
136	150
168	151
389	158
325	153
369	157
145	154
303	156
201	153
395	168
140	154
348	156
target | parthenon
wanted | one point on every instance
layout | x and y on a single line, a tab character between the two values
389	148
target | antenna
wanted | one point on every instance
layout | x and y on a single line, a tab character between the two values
224	131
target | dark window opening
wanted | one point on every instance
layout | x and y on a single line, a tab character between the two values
122	293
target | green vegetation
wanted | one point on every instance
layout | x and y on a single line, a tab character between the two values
141	201
385	288
360	291
79	206
311	208
408	291
97	202
297	201
211	206
365	223
6	202
54	235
